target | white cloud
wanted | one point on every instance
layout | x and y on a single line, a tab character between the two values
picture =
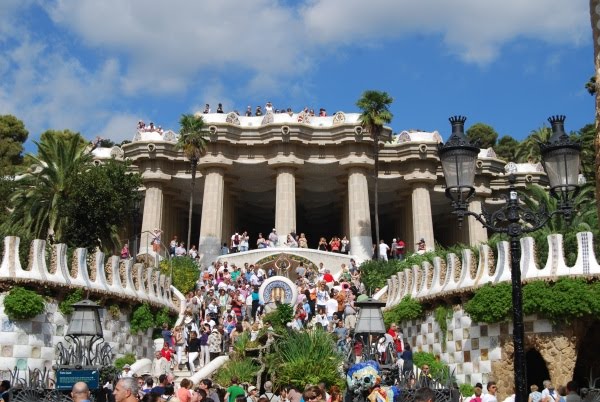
118	127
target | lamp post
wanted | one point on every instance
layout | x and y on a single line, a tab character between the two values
561	161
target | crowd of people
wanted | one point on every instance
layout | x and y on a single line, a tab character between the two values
142	127
268	108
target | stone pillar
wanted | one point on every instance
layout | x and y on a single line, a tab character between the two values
421	216
359	214
212	215
285	202
407	225
153	214
345	217
477	234
227	216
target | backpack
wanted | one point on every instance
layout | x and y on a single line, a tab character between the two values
236	239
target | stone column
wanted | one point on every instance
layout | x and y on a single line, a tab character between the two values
345	217
476	232
153	214
285	202
212	215
227	216
421	216
407	224
359	214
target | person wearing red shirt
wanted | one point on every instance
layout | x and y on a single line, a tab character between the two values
327	277
397	337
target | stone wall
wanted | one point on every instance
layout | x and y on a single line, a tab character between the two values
32	343
481	352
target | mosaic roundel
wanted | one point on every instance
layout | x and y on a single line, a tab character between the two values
278	287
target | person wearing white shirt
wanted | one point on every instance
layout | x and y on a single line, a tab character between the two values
492	388
383	250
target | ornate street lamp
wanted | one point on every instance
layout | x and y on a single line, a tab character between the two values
561	161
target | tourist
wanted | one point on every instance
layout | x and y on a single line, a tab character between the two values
79	393
162	383
193	252
291	242
160	366
258	111
322	244
396	335
425	394
302	241
269	107
421	246
214	343
271	397
155	239
400	250
235	242
383	250
249	111
261	242
335	245
244	241
180	250
345	245
394	249
273	238
184	393
255	302
179	344
148	385
126	373
204	353
572	392
407	357
548	393
173	245
492	389
535	395
206	386
220	108
126	390
252	394
193	350
234	390
224	249
206	109
125	255
350	312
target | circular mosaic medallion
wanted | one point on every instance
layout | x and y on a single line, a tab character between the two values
278	288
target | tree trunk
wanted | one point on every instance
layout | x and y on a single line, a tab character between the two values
595	20
194	163
376	195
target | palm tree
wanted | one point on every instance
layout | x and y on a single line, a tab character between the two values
375	113
192	142
529	149
44	187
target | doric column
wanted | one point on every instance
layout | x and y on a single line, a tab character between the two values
407	224
212	215
476	232
421	216
153	214
285	202
359	214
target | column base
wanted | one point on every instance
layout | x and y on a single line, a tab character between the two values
361	247
209	249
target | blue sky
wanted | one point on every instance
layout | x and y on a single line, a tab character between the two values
99	66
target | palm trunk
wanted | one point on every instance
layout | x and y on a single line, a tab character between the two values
595	20
376	195
194	163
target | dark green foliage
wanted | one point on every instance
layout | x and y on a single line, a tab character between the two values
65	306
245	370
142	319
560	302
407	309
12	136
486	135
491	303
109	374
164	315
466	389
506	148
283	314
100	199
375	273
441	315
185	272
23	304
301	358
129	358
437	368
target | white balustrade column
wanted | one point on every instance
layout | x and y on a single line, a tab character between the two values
153	214
477	232
285	203
359	214
421	216
211	227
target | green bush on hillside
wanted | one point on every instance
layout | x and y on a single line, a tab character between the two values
23	304
185	273
407	309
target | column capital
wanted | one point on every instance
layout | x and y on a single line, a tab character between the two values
363	162
155	177
285	161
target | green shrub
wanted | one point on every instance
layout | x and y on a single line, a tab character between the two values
466	389
65	306
407	309
142	319
441	315
491	303
437	368
164	315
279	317
185	272
129	358
375	273
245	370
23	304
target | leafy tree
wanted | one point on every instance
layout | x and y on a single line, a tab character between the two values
184	271
63	135
486	135
529	149
586	135
97	200
42	190
506	148
192	142
105	143
375	106
590	86
12	136
141	319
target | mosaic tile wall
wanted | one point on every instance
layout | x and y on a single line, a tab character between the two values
470	347
32	343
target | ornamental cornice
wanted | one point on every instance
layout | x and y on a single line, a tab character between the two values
285	160
155	176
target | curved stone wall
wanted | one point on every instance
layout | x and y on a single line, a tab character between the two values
119	279
457	274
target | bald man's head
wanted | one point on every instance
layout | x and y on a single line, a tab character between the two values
80	392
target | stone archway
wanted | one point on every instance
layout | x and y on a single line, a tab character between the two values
537	370
587	363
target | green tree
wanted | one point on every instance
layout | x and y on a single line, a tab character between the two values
192	142
506	148
12	136
98	200
529	149
486	135
40	192
590	86
375	113
586	135
62	135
